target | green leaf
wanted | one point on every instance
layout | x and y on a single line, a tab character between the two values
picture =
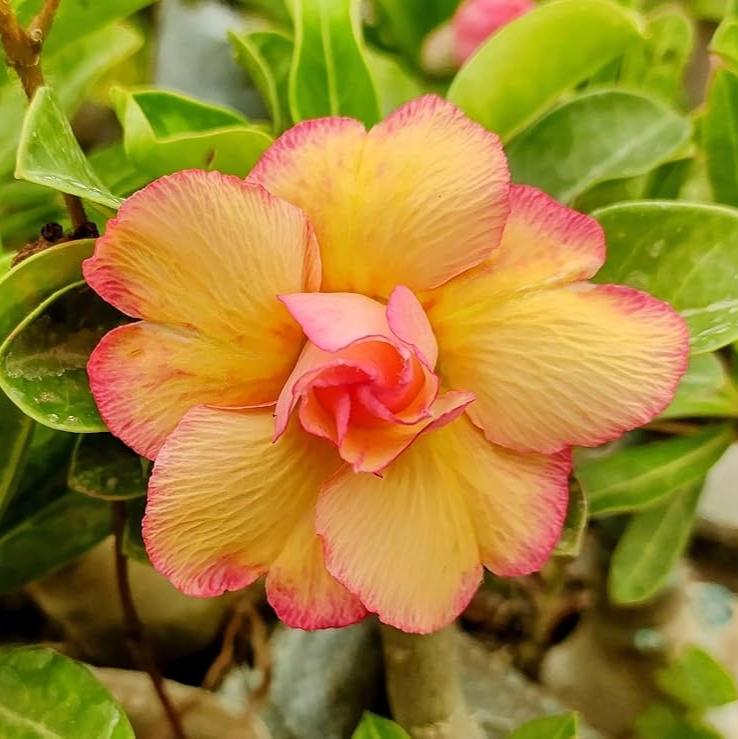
653	542
48	153
570	543
6	260
561	726
70	72
523	69
725	41
76	19
44	695
165	132
15	436
657	66
697	680
43	362
719	126
266	56
394	84
408	22
50	538
105	468
684	253
609	134
35	279
705	390
133	543
709	10
116	170
642	476
376	727
663	722
329	73
44	474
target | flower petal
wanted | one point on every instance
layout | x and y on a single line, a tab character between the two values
577	365
332	321
517	500
371	449
405	542
545	244
408	543
205	250
419	199
145	377
408	322
302	592
224	501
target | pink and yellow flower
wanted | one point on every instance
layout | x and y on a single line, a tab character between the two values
360	371
476	20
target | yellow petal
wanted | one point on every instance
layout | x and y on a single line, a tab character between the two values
404	542
409	543
145	377
545	244
420	198
576	365
225	504
206	255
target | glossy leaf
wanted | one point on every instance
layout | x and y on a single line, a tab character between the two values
35	279
575	525
653	542
684	253
705	390
6	260
50	538
329	73
560	726
133	544
724	42
15	436
657	66
266	55
44	474
408	22
165	132
523	69
70	72
642	476
104	467
597	136
719	127
78	18
116	170
44	695
23	208
377	727
48	153
710	10
697	680
664	722
394	84
43	362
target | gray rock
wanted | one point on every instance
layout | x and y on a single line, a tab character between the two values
322	681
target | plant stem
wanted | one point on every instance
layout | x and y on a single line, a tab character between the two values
423	684
134	628
23	53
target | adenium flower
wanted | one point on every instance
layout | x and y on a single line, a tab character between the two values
360	370
476	20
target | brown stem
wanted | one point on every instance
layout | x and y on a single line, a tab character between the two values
134	628
23	53
423	684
